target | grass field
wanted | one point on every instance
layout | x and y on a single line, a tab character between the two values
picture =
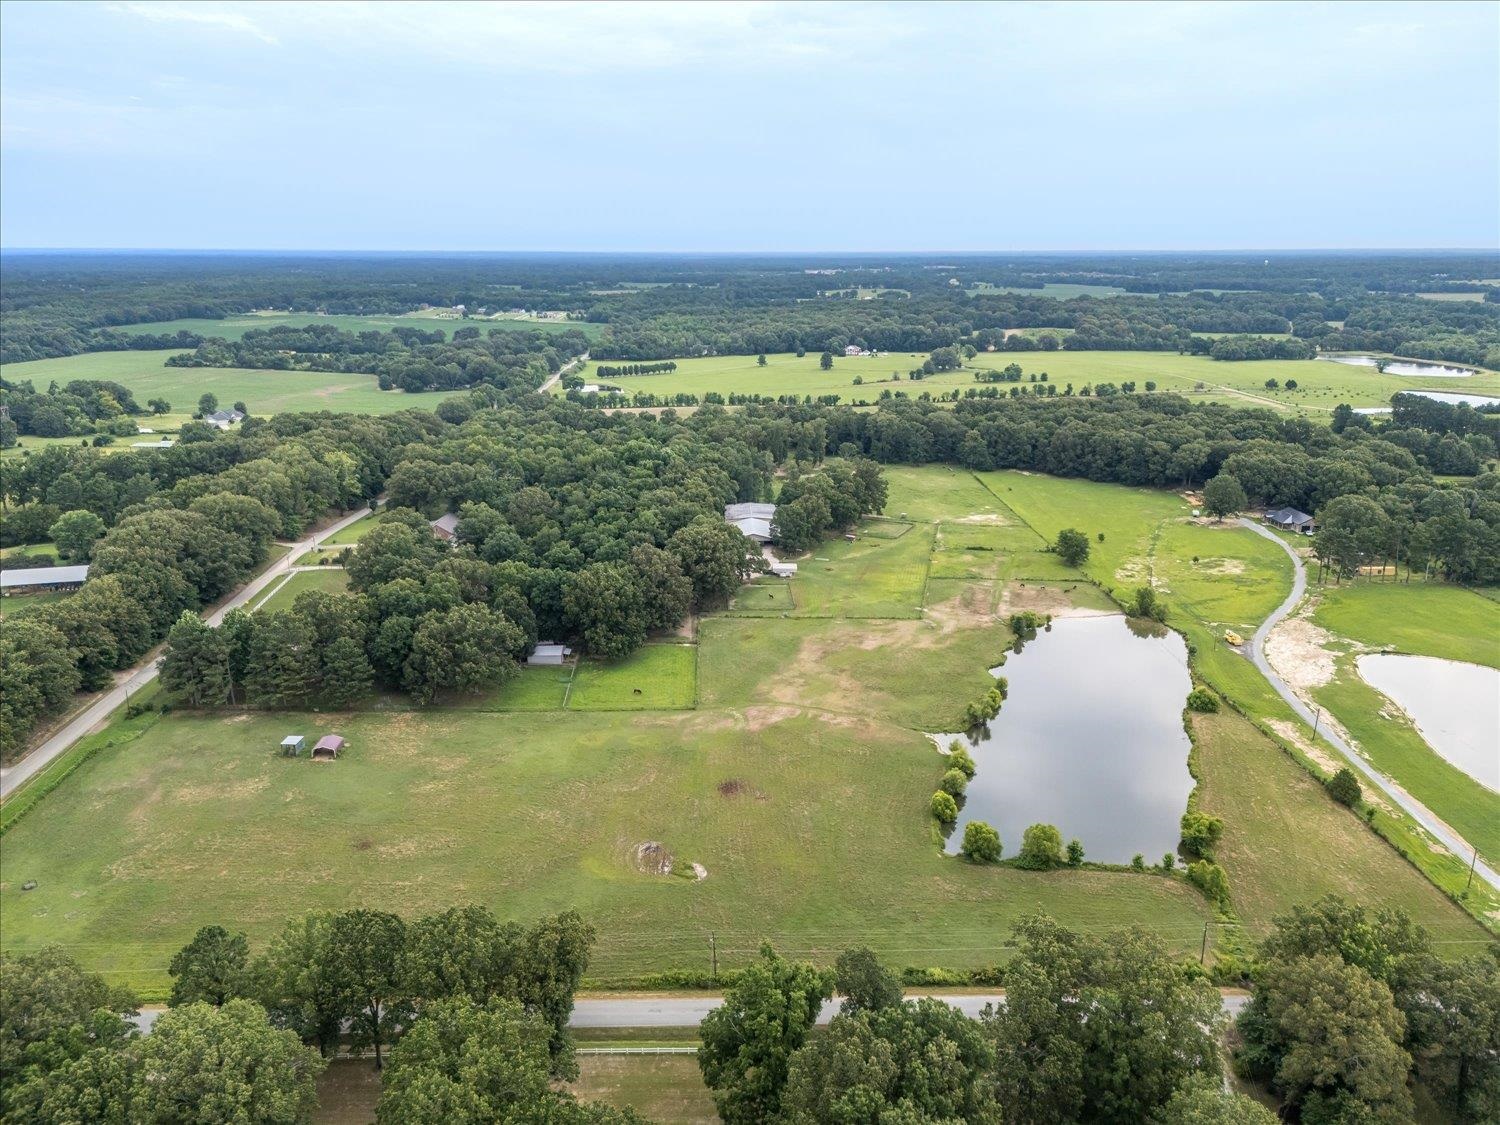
654	677
1321	385
264	392
331	580
799	781
1425	619
234	327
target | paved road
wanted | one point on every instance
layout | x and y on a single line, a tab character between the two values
97	713
1418	812
688	1011
563	370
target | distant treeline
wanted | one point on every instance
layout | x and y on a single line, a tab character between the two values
408	359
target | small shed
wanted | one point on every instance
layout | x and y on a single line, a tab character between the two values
327	748
293	744
445	527
548	654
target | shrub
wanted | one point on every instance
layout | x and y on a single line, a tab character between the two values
1138	862
1075	852
1168	862
1344	787
1200	832
954	783
944	807
959	758
1041	848
1209	878
981	842
1203	701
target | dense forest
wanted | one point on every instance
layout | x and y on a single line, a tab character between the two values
658	308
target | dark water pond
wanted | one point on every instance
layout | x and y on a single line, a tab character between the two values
1090	740
1455	707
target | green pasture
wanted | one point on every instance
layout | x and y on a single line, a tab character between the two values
1420	618
785	755
1321	386
13	604
1286	842
235	327
264	392
331	580
355	531
653	677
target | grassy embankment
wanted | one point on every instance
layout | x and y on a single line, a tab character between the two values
1321	385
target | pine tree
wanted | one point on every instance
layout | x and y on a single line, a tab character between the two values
347	674
196	662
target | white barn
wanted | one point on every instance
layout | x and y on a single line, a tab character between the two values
753	520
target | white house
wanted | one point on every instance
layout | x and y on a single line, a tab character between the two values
753	520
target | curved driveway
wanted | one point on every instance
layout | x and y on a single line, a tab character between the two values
1418	812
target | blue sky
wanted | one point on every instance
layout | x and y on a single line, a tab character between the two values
763	126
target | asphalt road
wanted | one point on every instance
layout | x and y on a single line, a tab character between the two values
688	1011
128	683
1418	812
563	370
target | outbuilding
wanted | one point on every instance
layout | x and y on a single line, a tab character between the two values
548	654
446	527
35	579
1290	519
328	748
753	520
293	744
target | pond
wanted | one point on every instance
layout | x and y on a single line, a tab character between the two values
1403	367
1452	398
1455	706
1090	740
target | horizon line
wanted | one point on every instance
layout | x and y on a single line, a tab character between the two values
746	253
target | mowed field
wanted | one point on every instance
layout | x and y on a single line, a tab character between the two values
264	392
1322	385
234	327
798	779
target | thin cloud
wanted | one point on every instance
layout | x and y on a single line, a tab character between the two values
212	17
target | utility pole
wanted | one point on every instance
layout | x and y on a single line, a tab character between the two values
1470	883
1203	951
713	952
1317	715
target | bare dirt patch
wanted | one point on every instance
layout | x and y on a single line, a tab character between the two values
1297	649
732	788
652	858
363	845
970	609
1224	567
990	519
759	718
1029	597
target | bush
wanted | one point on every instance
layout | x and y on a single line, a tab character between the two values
1203	701
981	842
1041	848
1210	879
1344	788
959	758
1075	852
954	783
1168	863
1138	862
1200	832
944	807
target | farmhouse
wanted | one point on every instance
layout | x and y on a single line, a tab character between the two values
39	578
327	748
446	527
854	350
223	419
753	520
548	654
1290	519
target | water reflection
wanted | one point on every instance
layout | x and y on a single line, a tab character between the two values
1455	706
1091	740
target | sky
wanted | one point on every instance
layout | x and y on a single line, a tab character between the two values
749	126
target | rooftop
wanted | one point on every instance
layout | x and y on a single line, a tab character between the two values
43	576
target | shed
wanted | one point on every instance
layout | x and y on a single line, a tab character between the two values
293	744
327	747
753	520
446	527
1290	519
548	653
44	578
